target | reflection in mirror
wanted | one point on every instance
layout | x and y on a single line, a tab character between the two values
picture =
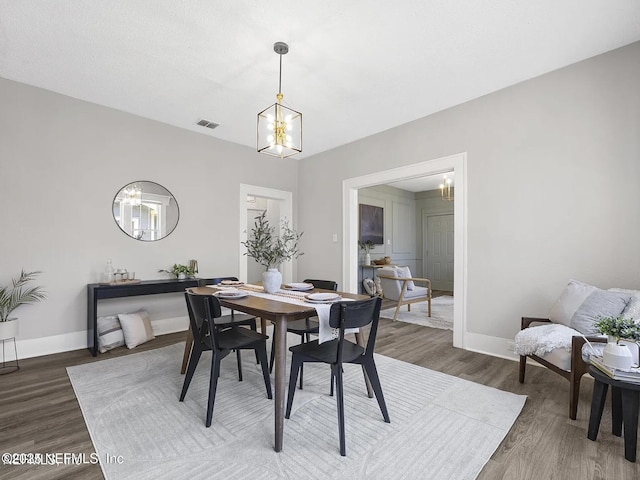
145	211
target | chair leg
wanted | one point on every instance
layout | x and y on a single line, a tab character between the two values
193	363
239	358
574	394
273	353
337	370
333	379
188	344
372	373
302	364
523	367
395	315
254	327
213	385
261	353
296	363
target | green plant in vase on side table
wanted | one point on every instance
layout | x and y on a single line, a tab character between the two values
618	328
180	271
270	250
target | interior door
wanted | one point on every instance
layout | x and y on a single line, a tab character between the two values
438	255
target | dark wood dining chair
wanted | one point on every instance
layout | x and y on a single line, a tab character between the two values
305	326
224	321
203	310
336	353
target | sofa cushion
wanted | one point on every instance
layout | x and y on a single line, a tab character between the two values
404	272
416	292
570	300
599	303
632	310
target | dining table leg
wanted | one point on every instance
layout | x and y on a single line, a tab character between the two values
280	374
360	341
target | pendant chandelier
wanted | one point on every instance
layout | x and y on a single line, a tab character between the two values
445	189
279	127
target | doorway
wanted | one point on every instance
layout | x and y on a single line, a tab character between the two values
350	187
438	255
253	201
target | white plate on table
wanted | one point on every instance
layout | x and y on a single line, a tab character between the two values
301	287
232	294
322	297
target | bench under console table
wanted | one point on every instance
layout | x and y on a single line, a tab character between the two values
100	291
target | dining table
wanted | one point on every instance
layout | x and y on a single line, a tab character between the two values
278	308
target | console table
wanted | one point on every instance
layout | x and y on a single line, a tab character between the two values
99	291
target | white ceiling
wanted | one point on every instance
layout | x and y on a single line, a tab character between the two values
354	68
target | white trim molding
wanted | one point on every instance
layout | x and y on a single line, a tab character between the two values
456	163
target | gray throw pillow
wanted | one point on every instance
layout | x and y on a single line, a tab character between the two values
600	303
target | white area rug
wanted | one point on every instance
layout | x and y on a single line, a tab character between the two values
442	427
441	313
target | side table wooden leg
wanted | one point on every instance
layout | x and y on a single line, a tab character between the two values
616	411
597	407
630	404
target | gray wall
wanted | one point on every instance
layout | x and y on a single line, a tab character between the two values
61	163
553	193
553	186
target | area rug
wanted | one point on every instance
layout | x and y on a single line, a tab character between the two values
442	427
441	313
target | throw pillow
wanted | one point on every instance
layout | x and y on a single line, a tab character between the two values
570	300
632	310
599	303
404	272
110	333
136	328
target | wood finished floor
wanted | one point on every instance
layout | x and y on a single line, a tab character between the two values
39	412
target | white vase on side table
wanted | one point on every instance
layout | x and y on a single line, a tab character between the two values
271	280
617	356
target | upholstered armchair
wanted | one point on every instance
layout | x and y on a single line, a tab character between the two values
564	342
399	286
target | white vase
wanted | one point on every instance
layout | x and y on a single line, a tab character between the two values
617	356
182	276
367	259
271	280
9	329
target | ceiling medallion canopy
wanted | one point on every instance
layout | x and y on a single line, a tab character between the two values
280	127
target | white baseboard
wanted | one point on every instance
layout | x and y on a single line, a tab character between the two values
494	346
36	347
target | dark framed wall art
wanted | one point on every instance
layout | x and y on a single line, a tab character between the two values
371	224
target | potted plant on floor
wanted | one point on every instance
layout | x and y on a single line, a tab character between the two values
270	250
13	296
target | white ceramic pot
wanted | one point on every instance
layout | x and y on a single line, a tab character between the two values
182	276
617	356
9	329
271	280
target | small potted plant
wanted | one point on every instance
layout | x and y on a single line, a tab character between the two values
270	250
618	328
13	296
180	271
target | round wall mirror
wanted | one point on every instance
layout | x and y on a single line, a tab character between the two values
145	211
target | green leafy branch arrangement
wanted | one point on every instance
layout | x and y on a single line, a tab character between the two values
268	249
366	246
11	297
177	269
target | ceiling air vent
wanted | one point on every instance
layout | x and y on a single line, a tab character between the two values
208	124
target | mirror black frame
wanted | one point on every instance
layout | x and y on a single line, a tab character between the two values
116	204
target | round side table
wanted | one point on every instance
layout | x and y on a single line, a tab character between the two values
625	403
